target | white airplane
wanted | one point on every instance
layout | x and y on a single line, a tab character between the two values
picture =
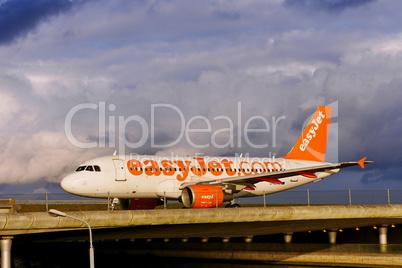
141	182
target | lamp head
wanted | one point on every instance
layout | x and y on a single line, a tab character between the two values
55	213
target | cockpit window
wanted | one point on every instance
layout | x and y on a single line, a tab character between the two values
89	168
81	168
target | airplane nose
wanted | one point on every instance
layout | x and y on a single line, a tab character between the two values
68	183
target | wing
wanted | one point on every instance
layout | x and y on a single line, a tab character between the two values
274	177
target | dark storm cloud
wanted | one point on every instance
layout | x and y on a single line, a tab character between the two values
204	58
326	5
19	17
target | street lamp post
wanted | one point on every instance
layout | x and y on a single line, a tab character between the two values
56	213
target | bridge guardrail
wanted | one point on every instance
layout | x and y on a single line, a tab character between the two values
350	197
306	197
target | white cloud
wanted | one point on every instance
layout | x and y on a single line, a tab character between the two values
390	46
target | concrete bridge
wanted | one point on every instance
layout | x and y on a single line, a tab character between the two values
200	223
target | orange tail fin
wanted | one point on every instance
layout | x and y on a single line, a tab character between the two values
312	143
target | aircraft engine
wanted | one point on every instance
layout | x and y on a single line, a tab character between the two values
138	204
203	196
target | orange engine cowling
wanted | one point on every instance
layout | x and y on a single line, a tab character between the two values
138	204
202	196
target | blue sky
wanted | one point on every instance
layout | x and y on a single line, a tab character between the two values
277	58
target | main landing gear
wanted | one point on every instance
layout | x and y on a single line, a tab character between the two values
232	204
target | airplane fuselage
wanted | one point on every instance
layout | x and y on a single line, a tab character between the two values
164	177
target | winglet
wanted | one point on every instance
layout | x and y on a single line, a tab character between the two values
361	162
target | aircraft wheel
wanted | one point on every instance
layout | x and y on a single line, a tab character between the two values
234	205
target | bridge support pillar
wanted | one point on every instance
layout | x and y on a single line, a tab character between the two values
288	237
6	242
382	233
332	236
